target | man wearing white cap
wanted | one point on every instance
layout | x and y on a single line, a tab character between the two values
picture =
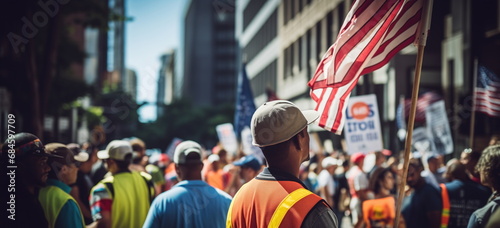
276	197
191	202
326	185
122	199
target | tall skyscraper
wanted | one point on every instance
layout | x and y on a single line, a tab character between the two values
209	54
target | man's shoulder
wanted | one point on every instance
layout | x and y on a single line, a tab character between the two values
321	215
144	175
223	194
180	192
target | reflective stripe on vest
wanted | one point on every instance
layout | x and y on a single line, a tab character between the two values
445	214
52	200
286	204
277	203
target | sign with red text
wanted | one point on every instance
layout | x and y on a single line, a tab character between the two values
362	128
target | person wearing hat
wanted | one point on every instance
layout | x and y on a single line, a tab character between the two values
29	170
358	187
81	189
60	208
276	197
122	199
191	202
326	186
249	167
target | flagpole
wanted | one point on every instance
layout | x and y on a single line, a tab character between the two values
422	38
473	115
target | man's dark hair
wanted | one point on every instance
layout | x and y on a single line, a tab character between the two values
458	171
274	152
416	163
123	164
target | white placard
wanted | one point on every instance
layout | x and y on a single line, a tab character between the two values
248	147
362	126
227	137
438	128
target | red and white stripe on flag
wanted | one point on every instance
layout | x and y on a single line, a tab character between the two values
372	33
487	93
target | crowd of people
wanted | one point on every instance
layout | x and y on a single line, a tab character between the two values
58	185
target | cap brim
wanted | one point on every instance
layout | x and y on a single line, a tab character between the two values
103	154
310	115
239	163
49	155
81	157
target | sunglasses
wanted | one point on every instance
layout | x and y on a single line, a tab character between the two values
34	147
467	150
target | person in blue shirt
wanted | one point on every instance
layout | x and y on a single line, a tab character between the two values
60	208
464	195
191	202
489	170
423	207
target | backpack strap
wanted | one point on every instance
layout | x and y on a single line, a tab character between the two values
109	186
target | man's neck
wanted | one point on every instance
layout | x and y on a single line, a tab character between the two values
120	171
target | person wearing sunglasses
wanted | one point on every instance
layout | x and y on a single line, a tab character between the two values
24	157
60	208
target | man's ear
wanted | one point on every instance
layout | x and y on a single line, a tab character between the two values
177	169
296	140
64	169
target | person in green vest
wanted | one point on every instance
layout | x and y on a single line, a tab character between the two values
123	199
59	207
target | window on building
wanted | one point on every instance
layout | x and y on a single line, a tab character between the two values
319	49
253	7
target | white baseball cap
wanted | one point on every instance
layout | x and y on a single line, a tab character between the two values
329	161
116	149
184	149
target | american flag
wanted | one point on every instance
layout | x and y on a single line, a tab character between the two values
487	92
372	33
424	100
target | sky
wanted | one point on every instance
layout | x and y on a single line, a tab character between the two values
154	29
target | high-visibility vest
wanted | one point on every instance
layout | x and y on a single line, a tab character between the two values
268	203
53	200
132	195
445	214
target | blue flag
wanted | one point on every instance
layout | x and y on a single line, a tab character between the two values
245	106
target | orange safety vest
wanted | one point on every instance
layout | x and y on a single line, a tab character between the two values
445	214
270	203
